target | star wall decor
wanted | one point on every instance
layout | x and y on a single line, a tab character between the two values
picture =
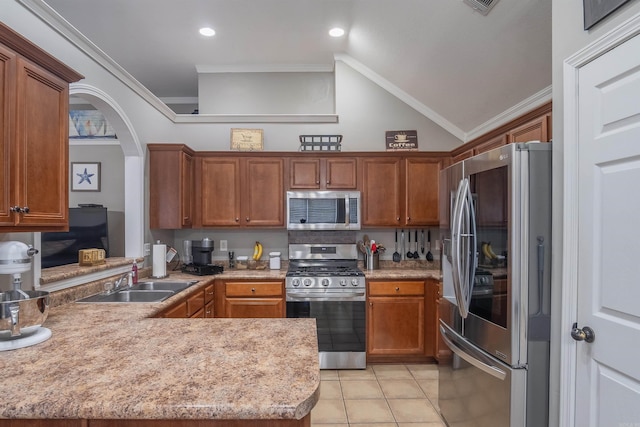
85	176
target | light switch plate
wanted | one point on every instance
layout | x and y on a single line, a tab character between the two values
223	245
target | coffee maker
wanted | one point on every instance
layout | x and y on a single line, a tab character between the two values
199	258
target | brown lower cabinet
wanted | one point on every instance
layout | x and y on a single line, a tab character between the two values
400	320
254	299
199	304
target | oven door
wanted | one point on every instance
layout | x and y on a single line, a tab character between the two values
341	323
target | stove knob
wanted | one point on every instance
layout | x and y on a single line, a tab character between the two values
325	282
307	282
295	282
354	282
343	282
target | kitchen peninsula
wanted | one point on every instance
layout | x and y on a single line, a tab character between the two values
115	365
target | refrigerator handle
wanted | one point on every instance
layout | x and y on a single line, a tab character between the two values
470	246
540	275
477	359
456	251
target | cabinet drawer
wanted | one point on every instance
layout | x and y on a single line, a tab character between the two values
396	288
208	294
208	310
195	303
177	311
253	289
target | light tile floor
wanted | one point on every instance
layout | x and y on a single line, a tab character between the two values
402	395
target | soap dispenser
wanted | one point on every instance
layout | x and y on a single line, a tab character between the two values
134	272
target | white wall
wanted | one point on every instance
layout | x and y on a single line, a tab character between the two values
568	38
365	112
266	93
111	194
111	161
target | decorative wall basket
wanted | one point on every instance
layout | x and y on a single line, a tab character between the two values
320	142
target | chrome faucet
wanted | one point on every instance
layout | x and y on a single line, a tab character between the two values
118	285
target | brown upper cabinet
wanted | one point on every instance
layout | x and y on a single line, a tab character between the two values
532	126
495	142
339	173
171	183
399	191
535	130
34	136
239	191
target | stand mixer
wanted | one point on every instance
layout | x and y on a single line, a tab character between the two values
21	312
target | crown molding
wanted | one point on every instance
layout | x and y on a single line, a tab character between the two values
256	118
179	100
536	100
401	95
56	22
265	68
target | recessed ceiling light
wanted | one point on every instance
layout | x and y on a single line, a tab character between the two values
206	31
336	32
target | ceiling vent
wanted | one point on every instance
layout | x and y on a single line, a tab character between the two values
482	6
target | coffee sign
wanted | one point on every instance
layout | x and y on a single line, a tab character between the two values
401	140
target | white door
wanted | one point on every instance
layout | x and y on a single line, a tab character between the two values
608	369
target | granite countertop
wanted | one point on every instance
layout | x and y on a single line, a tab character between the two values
113	361
117	361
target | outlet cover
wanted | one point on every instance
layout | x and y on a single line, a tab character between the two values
147	249
223	245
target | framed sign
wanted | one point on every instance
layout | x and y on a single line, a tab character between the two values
247	139
85	176
596	10
401	140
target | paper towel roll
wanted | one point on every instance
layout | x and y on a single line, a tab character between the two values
159	260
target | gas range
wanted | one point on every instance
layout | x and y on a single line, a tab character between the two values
321	266
324	282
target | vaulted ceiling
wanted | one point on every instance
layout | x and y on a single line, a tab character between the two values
462	66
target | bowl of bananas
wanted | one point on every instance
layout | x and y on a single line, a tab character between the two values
253	262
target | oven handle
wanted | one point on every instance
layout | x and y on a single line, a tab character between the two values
325	296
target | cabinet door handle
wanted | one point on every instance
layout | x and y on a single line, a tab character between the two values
370	304
408	219
253	289
18	209
237	219
398	219
397	289
247	219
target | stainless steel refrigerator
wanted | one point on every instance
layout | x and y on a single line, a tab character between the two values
495	223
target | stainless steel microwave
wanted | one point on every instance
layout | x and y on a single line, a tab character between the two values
323	210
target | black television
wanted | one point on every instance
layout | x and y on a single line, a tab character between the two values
88	229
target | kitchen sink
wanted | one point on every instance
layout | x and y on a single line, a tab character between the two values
175	286
130	296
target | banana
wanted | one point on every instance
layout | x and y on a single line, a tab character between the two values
257	251
486	250
490	250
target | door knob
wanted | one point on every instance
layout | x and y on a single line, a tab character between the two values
585	334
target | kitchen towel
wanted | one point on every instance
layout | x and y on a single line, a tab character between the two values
159	260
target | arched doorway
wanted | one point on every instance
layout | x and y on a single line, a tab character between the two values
133	164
